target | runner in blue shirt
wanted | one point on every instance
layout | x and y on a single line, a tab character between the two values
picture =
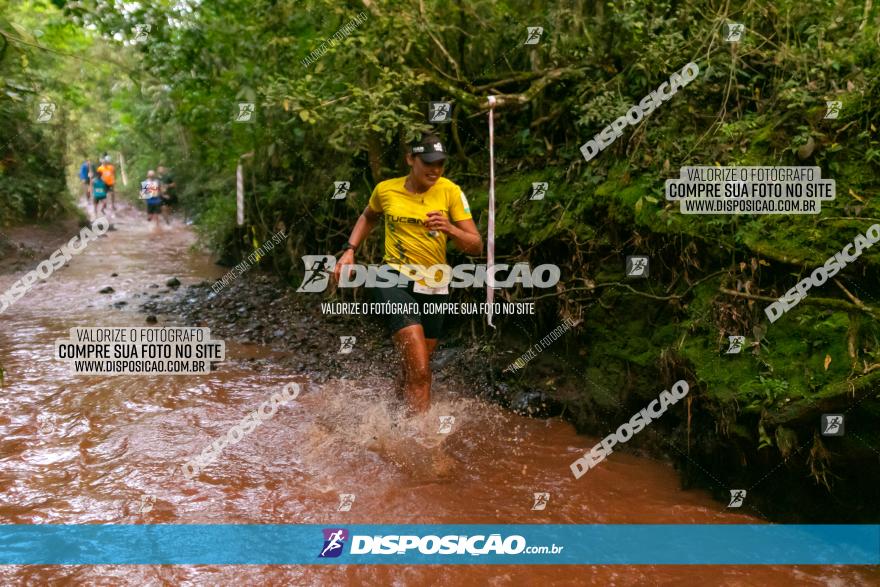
85	174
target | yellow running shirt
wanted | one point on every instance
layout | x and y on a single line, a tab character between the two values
407	241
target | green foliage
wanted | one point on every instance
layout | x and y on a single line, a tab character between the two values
217	221
32	153
768	391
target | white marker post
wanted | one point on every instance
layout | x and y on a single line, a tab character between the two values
239	189
490	237
122	168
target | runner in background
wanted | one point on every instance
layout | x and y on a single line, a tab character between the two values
99	194
85	176
151	192
108	174
169	192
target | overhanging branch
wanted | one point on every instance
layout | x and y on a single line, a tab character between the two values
481	103
831	303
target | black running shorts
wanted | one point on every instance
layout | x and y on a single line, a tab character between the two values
432	323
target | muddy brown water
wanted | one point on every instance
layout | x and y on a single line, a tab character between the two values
104	450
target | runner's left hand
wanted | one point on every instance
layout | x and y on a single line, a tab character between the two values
439	222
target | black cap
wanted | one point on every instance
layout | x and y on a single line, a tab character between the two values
429	148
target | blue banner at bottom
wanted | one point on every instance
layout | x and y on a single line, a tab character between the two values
416	544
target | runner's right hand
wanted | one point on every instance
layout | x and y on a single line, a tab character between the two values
347	258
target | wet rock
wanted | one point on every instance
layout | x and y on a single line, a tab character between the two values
443	356
805	150
151	319
106	290
120	304
534	403
173	282
6	245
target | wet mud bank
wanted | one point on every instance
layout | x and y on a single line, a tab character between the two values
24	246
259	308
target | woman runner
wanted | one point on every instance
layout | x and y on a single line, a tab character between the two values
422	210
